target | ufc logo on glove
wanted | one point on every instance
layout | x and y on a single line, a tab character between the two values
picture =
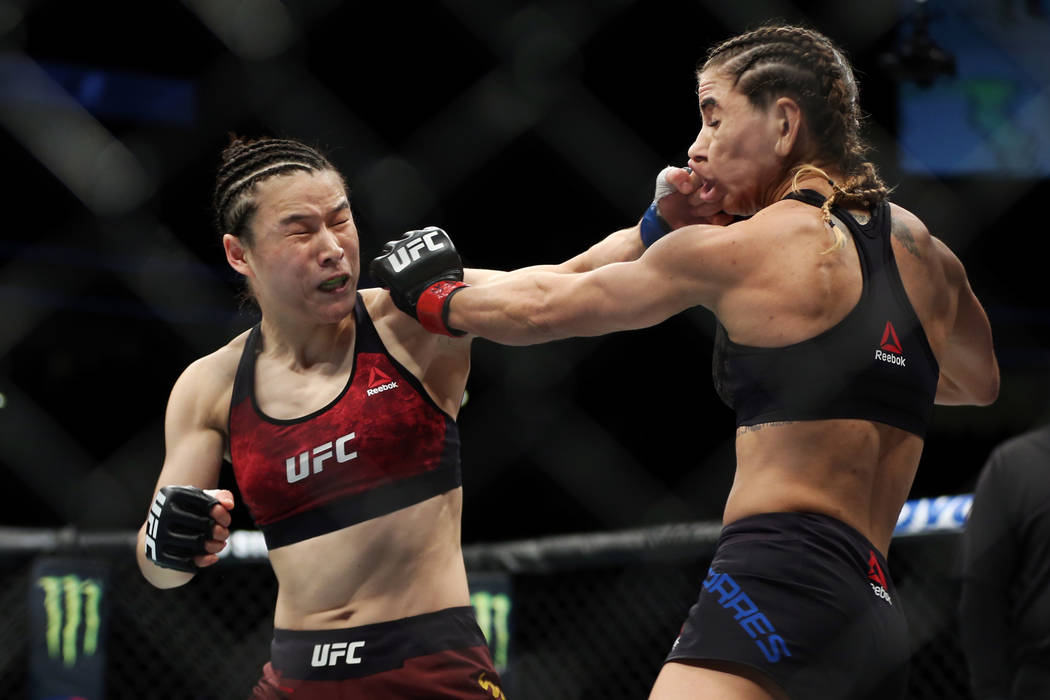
407	254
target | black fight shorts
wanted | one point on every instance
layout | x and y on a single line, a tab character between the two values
437	655
806	600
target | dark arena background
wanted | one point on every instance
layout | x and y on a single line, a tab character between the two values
594	469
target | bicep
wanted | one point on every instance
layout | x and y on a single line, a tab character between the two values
968	365
193	444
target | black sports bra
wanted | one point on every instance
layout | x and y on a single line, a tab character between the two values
875	364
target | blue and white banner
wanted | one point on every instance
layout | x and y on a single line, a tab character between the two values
940	514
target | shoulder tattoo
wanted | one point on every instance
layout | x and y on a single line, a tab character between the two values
903	234
755	428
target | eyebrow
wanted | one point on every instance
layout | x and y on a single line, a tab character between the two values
707	103
294	218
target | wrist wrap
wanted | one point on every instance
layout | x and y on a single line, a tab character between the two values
653	226
432	307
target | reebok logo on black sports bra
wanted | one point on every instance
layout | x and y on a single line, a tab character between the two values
890	344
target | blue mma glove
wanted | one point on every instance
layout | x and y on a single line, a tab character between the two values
653	226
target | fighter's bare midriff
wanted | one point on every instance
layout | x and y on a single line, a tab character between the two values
404	563
856	471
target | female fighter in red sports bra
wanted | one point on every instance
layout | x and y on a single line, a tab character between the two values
338	414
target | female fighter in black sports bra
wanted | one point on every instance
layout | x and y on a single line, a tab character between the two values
843	321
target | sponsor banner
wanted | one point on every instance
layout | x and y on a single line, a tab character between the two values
492	597
68	609
940	514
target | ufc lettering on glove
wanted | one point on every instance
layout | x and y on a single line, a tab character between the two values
404	255
422	271
178	525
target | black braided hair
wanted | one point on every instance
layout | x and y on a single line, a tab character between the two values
247	162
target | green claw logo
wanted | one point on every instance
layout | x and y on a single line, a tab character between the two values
493	612
70	601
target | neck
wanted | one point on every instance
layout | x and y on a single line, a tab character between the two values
303	345
810	180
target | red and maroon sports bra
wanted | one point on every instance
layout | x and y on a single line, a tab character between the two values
381	445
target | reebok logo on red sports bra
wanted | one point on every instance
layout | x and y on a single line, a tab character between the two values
379	382
890	343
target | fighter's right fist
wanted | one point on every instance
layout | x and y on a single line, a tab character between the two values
178	527
422	270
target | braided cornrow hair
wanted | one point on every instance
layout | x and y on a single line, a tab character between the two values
245	163
775	60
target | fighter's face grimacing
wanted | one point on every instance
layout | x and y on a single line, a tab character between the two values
741	150
304	254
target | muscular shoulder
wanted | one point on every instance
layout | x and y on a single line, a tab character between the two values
910	234
203	391
396	328
439	361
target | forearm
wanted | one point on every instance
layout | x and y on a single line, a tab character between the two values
515	309
620	246
157	575
536	306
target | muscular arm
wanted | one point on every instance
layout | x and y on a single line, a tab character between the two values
620	246
969	369
194	450
680	205
624	245
533	305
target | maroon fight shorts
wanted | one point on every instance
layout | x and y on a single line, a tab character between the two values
437	655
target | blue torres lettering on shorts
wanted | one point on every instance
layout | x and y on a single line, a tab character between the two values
752	620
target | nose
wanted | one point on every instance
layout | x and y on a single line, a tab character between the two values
698	151
331	248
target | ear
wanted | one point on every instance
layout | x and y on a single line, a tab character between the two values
788	121
236	254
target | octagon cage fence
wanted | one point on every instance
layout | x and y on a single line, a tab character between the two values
568	617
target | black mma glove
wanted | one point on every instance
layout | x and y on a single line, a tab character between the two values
422	270
179	524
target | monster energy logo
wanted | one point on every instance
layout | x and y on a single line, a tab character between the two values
70	601
493	612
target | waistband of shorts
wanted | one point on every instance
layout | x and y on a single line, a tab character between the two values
354	652
815	526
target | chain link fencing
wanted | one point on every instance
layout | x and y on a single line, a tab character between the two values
589	616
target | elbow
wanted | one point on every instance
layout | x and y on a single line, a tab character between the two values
986	391
990	391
